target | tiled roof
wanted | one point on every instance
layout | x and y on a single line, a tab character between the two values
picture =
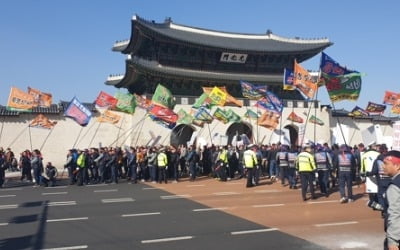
53	109
5	112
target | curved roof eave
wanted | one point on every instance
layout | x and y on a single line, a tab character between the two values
187	73
235	41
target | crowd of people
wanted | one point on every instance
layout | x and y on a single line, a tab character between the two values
314	166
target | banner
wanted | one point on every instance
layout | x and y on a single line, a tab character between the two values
164	114
304	81
314	119
221	116
288	78
163	97
203	115
269	120
19	100
105	100
358	112
108	116
41	99
78	112
295	118
390	97
251	91
375	108
42	121
126	102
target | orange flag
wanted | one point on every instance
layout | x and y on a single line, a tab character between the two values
41	99
269	120
20	100
108	116
304	81
42	121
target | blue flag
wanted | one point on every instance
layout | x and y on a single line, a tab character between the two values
77	111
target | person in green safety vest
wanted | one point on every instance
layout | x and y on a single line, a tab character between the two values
162	163
250	163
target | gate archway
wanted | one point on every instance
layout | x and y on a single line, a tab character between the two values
239	128
181	134
293	134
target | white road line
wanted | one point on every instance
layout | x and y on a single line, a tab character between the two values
68	248
225	193
178	196
234	183
254	231
61	203
195	185
150	188
8	206
105	190
268	205
266	191
117	200
54	193
97	185
336	224
11	189
68	219
56	187
209	209
167	239
321	202
3	224
8	195
140	214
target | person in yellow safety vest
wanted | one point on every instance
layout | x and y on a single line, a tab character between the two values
80	162
162	163
250	163
223	163
305	164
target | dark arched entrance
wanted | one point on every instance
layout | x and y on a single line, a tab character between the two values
181	134
293	134
239	128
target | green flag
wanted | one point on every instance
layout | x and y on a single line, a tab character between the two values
126	102
232	116
221	116
163	97
184	117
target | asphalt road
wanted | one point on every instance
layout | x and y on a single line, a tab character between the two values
206	214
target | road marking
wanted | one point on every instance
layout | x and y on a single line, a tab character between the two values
140	214
61	203
151	188
321	202
105	190
11	189
268	205
209	209
234	183
195	185
56	187
8	206
8	195
254	231
117	200
68	248
225	193
167	239
3	224
97	185
178	196
68	219
54	193
266	191
336	224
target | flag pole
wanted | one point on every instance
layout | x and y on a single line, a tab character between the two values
129	130
140	130
47	137
79	134
87	131
94	135
119	129
340	125
2	126
9	146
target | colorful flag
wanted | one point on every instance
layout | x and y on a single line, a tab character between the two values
232	116
203	115
19	100
203	101
163	97
358	112
304	81
198	123
390	97
396	107
276	102
42	121
295	118
341	83
251	91
164	123
314	119
375	108
221	116
288	77
142	102
163	113
266	104
230	100
105	100
108	116
218	96
251	114
269	120
126	102
41	99
184	117
78	112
